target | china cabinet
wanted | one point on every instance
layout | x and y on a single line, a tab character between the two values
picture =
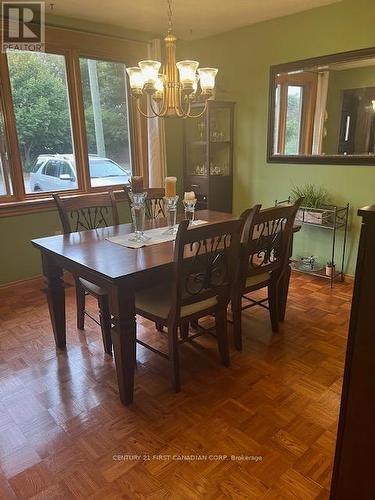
208	155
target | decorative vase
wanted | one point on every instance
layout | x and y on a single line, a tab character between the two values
330	271
138	205
171	211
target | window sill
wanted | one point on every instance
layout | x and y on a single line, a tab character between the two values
36	205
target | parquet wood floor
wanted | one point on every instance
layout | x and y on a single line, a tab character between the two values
61	422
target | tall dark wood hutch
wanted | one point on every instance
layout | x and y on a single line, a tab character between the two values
208	155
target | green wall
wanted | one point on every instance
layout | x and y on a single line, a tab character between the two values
244	57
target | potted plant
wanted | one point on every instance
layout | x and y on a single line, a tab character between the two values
330	268
315	200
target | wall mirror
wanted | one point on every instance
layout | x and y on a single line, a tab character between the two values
322	110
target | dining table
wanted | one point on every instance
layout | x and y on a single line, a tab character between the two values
122	272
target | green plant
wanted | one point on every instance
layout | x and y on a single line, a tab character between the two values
330	264
314	196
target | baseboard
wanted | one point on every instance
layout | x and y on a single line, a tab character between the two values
36	280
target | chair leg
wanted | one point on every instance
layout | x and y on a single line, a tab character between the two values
195	324
105	323
237	321
173	356
159	327
283	292
80	301
273	302
184	330
222	335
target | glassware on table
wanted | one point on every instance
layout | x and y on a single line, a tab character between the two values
189	206
171	212
138	209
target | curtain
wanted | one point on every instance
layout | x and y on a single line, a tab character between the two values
156	135
320	113
139	142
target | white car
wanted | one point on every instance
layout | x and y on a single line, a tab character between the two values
58	173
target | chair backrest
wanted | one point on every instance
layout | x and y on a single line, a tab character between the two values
205	263
88	211
154	202
266	239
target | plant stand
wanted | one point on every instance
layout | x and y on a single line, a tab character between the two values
331	218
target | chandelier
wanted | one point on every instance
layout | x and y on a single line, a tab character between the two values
171	92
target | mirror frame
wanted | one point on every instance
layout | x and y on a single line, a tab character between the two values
296	65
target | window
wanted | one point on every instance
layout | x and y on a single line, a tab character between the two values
41	108
64	118
106	119
295	99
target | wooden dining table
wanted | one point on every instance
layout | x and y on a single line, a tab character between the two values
122	272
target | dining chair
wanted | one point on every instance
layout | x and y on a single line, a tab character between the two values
154	210
264	258
154	202
205	261
81	213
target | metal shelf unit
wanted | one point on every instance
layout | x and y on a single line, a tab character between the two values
333	218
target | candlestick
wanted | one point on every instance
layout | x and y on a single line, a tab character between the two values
189	206
136	183
189	195
170	187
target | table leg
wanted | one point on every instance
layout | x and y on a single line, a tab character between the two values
283	292
56	298
124	341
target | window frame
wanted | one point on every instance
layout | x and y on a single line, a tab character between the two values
73	45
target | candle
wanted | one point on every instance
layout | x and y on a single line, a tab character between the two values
189	196
136	183
170	187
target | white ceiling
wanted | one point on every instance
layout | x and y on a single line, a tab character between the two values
192	18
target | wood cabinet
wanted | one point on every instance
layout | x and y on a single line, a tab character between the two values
208	155
354	459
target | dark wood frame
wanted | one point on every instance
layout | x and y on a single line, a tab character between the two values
304	63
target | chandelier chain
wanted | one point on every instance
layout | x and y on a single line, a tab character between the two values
169	16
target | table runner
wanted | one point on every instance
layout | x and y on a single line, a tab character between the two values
158	235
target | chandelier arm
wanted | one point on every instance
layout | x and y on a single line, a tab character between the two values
201	113
143	113
180	109
157	114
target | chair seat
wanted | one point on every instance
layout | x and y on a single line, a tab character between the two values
257	279
156	302
94	289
